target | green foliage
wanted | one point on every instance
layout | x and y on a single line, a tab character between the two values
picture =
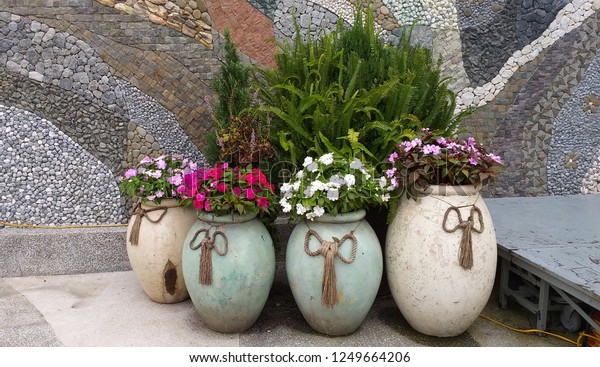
232	88
349	92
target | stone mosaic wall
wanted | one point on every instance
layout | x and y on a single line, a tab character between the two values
94	85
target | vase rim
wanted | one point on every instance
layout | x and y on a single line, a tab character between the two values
353	216
226	218
169	203
452	190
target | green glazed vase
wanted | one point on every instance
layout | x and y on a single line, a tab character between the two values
230	289
357	278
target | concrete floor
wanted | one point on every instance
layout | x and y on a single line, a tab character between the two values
110	309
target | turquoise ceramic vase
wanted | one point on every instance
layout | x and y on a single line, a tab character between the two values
334	267
228	268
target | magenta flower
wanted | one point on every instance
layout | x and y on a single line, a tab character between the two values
237	191
473	161
250	193
263	202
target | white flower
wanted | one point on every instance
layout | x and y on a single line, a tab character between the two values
318	211
310	216
309	192
336	180
382	181
385	198
312	167
318	185
333	194
326	159
286	187
296	186
390	188
286	207
356	164
307	161
300	209
288	195
334	185
300	174
350	180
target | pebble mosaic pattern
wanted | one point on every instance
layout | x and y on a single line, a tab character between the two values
50	179
79	106
309	15
189	17
575	140
151	123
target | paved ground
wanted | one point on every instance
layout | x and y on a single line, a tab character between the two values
110	309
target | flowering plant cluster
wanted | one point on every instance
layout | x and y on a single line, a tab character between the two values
155	179
431	159
333	184
222	190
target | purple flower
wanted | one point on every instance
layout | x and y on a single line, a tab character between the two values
146	160
495	158
473	161
471	141
431	149
407	146
393	157
390	172
442	141
161	164
159	194
193	166
175	180
130	173
416	142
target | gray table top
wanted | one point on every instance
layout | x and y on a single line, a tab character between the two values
559	235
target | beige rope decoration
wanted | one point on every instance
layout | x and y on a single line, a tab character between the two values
465	256
207	244
329	250
140	213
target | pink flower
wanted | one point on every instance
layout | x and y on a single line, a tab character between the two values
390	172
251	179
494	158
130	173
416	142
473	161
237	191
161	164
442	141
221	187
471	141
146	160
250	193
181	189
160	194
207	206
393	157
263	202
431	149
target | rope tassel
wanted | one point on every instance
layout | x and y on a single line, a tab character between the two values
465	255
329	250
207	245
139	213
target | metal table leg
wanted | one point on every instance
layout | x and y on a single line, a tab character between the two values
504	273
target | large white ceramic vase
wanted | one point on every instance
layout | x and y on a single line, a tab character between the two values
155	238
438	287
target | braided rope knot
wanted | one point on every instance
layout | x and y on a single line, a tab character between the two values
329	250
140	213
207	244
465	256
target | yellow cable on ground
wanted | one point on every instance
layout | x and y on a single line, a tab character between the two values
61	227
577	343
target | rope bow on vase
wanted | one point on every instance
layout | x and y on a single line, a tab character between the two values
208	244
465	256
139	213
330	250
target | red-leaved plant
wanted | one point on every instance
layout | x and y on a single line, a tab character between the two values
223	190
